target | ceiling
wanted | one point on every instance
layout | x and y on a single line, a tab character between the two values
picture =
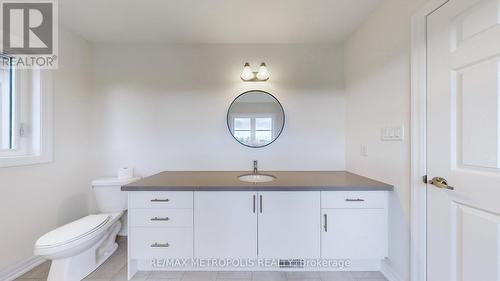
214	21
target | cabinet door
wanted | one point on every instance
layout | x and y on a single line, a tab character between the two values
354	234
289	224
225	224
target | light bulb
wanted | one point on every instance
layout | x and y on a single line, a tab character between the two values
247	73
263	73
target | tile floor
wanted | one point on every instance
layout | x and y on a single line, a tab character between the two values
115	269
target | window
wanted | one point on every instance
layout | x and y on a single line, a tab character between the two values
6	107
243	129
25	116
255	130
263	130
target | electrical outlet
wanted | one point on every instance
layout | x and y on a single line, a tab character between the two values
363	150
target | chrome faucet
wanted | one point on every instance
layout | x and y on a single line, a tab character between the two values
255	167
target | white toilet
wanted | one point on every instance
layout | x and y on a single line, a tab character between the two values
78	248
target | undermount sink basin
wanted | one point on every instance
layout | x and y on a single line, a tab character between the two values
255	178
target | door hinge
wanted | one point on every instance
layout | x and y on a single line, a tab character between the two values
424	179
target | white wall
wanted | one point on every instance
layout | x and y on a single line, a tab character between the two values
36	199
377	59
164	107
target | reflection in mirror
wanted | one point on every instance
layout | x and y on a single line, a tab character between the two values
255	118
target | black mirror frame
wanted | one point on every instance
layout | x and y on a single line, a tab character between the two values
282	110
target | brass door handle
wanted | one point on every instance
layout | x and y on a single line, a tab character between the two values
440	183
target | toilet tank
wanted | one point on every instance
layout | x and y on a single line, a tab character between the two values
108	194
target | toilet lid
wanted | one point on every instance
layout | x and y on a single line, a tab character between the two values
73	230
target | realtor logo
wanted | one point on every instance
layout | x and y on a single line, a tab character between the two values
29	32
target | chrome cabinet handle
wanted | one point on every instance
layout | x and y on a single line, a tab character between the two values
160	219
160	245
326	222
160	200
254	199
261	204
354	200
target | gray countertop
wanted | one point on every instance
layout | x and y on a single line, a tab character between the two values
228	181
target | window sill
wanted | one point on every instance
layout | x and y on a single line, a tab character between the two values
15	161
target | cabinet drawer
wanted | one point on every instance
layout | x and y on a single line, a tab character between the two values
162	217
161	199
354	199
161	243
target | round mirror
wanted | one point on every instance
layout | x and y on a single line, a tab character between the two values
255	118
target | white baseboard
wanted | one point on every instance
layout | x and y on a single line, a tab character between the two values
389	272
16	270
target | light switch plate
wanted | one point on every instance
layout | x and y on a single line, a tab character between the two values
392	133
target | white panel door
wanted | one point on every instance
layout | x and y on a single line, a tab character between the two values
354	234
289	224
225	224
463	141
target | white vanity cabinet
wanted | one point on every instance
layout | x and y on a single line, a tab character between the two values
226	224
160	224
289	224
229	224
243	224
354	225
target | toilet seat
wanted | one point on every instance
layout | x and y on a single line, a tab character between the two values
73	231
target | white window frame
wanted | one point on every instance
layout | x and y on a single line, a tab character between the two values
33	119
6	89
252	117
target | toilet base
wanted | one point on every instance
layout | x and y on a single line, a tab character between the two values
79	266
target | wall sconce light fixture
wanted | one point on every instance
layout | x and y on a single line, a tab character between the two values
248	75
